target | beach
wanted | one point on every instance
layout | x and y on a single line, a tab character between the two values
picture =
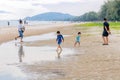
9	33
90	61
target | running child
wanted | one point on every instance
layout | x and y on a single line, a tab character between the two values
21	30
77	39
59	41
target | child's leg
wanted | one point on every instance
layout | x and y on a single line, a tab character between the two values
21	35
59	52
17	37
107	40
58	48
79	44
75	44
21	39
104	40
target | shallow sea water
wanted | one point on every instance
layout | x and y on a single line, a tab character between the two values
13	54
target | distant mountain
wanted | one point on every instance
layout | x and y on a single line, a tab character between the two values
51	16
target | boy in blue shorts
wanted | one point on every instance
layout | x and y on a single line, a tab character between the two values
59	41
21	29
77	39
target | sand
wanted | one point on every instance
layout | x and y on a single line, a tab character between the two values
91	61
9	33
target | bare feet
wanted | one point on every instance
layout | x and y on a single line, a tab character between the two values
15	38
21	41
105	44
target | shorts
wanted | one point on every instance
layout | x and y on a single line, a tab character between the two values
21	34
105	34
59	42
78	41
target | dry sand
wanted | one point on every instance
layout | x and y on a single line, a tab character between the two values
9	33
92	61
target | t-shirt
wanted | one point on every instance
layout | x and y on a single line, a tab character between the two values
59	38
78	38
106	24
20	26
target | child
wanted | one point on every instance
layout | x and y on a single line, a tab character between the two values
21	29
77	39
59	40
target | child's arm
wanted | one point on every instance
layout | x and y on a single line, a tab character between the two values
107	30
57	39
63	38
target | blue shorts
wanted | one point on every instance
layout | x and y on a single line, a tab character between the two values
77	41
59	42
21	34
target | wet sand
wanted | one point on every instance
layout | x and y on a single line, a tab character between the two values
13	53
90	61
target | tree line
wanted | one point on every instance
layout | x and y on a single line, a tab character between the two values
110	10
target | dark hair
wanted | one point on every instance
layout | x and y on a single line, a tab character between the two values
58	32
105	19
20	21
79	32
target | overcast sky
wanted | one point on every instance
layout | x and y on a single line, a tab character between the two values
16	9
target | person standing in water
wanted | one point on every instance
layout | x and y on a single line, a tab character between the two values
77	39
59	41
8	23
21	30
106	32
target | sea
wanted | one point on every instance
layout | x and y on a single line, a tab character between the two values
14	23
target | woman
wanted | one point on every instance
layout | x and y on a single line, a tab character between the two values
106	32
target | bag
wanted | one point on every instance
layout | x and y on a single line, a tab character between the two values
23	29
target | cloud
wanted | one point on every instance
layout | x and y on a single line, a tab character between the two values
36	4
19	9
57	1
76	8
15	9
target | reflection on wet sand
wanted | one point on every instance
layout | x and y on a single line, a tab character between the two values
13	52
21	53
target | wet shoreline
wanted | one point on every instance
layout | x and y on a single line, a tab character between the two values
15	53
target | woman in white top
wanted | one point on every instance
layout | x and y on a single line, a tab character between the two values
20	31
